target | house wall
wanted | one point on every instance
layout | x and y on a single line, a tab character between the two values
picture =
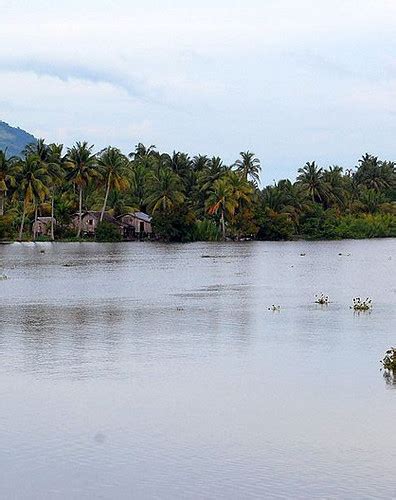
135	222
41	228
89	223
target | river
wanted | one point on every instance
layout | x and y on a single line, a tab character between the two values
144	370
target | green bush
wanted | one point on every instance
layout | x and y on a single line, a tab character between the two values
107	232
275	226
367	226
206	230
7	231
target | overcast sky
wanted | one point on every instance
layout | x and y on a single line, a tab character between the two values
290	80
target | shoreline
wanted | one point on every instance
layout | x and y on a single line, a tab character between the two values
295	240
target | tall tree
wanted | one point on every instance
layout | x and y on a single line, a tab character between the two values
32	183
165	191
8	171
311	179
249	166
55	169
81	163
113	167
221	199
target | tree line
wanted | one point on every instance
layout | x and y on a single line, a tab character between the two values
193	198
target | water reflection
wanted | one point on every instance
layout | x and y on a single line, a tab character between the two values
390	378
157	371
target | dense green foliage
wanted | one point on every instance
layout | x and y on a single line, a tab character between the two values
107	232
192	199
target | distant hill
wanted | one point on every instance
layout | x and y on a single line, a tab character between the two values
14	139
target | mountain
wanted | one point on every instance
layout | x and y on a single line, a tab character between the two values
14	139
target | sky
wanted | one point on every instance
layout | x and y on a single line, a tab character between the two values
292	81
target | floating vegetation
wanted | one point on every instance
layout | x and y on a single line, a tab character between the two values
274	308
322	299
389	365
389	361
361	305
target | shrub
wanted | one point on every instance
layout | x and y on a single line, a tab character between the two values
6	228
107	232
275	226
206	230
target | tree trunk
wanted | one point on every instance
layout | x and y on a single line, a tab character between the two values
52	218
105	200
2	203
80	213
222	221
22	223
35	223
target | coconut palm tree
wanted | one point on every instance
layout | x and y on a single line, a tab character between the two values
375	174
200	162
249	167
33	184
38	148
221	199
112	164
311	180
165	191
8	171
213	170
55	169
142	152
81	163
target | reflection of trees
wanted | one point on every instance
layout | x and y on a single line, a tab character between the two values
390	378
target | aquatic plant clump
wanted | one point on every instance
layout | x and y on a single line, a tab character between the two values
361	305
322	299
389	361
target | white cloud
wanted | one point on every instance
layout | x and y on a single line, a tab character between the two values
290	80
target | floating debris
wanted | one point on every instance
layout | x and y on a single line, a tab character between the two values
302	254
361	305
3	277
389	361
274	308
322	299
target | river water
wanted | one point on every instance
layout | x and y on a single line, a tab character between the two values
145	370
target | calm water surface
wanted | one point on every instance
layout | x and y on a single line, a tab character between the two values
157	371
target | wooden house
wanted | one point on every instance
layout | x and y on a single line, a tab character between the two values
91	219
136	225
42	226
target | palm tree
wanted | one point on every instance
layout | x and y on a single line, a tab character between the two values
311	179
165	191
375	174
213	170
33	184
112	164
200	162
221	199
55	170
38	148
82	165
8	171
142	152
249	167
